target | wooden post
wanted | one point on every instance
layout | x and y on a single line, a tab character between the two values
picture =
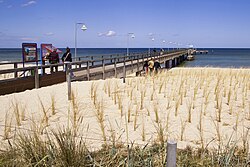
132	65
36	78
92	58
167	64
15	73
111	59
124	69
88	75
115	68
79	59
68	79
171	154
103	68
138	62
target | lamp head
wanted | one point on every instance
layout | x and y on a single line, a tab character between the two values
84	28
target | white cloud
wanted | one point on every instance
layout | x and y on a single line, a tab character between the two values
49	34
110	33
29	3
151	34
28	39
101	34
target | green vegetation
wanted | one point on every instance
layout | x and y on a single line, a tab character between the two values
62	148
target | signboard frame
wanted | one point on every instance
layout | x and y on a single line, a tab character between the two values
29	52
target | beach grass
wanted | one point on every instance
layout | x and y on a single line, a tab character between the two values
206	110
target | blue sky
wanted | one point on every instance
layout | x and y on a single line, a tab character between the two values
202	23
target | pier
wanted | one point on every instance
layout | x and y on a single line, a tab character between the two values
194	51
85	69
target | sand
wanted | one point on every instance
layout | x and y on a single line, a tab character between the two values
198	107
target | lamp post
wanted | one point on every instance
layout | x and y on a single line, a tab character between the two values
163	43
169	46
132	35
149	47
83	28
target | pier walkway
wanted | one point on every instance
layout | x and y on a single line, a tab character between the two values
85	69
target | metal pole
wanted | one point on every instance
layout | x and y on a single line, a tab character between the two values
171	154
68	78
124	69
75	39
36	78
127	44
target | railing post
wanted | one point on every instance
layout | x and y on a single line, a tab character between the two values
132	65
138	62
88	74
115	68
68	79
15	73
92	59
103	68
36	78
124	69
171	154
79	59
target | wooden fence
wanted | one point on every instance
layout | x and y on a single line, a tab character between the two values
88	69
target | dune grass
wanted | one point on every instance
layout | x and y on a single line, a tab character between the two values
175	103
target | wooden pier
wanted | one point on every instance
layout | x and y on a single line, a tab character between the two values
194	51
85	69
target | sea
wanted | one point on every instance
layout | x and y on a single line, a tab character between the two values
216	57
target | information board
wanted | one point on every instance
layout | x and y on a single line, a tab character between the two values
29	51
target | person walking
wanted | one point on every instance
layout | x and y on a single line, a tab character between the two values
145	67
66	59
157	66
53	59
151	66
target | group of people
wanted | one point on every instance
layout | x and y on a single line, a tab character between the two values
54	58
151	66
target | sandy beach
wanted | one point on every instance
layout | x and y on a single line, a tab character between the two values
197	107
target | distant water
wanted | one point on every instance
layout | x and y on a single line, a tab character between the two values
220	57
217	57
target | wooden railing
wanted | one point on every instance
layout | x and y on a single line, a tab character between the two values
83	69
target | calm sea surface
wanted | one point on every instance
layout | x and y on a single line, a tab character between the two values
222	58
217	57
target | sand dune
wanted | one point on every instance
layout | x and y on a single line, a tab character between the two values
200	107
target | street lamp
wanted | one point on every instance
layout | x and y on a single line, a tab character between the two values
171	44
149	47
163	43
83	28
132	35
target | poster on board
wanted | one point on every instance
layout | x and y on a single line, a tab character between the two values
45	50
29	51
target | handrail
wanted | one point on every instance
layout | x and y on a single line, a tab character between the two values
112	60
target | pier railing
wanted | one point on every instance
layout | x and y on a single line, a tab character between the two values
35	76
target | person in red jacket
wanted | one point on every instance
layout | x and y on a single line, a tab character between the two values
53	59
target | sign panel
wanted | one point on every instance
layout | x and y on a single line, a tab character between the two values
45	50
29	51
